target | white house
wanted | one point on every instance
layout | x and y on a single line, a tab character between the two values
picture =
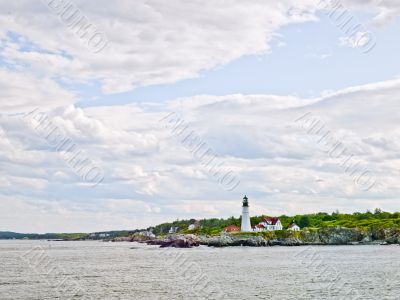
192	227
195	225
259	228
173	229
268	224
293	227
99	235
147	234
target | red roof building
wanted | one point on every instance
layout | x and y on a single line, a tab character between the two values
270	220
232	228
268	224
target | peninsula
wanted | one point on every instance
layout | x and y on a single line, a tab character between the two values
377	227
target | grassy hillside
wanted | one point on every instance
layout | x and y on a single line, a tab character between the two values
365	220
377	219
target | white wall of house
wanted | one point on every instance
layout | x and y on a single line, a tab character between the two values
173	229
294	228
269	227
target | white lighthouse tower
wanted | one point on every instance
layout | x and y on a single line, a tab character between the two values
246	227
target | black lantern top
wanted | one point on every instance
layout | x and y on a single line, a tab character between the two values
245	201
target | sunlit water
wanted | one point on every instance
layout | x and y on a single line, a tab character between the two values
99	270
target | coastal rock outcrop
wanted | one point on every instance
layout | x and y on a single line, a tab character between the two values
292	242
180	241
321	236
225	240
255	241
392	236
340	236
123	239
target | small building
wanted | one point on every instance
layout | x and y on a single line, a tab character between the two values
269	224
147	234
195	225
232	228
173	229
98	235
259	228
293	227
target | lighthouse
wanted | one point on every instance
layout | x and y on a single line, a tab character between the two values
246	227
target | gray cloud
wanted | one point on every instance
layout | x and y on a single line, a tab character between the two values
278	163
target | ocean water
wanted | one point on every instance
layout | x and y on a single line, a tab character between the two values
101	270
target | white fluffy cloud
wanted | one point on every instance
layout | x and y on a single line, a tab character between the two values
149	42
21	92
387	10
149	175
279	164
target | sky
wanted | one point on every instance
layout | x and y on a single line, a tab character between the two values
128	114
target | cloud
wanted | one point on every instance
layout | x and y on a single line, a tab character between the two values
357	40
149	42
66	217
387	10
149	175
21	92
152	42
279	164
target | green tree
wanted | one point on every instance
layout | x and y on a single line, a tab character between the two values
304	221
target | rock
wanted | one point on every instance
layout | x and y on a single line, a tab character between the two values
155	242
366	240
141	238
181	241
392	236
123	239
392	240
310	237
133	238
321	236
377	233
377	242
340	235
219	241
292	242
254	241
379	236
226	240
274	242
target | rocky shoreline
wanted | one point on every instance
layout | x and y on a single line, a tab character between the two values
322	236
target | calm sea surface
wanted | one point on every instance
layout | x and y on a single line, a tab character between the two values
99	270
